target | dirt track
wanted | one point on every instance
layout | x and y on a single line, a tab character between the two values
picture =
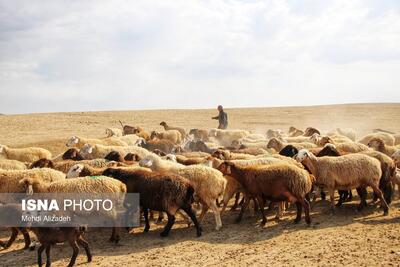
349	237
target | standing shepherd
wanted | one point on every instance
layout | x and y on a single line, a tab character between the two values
222	118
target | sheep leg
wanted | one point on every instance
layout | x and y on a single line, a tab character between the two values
40	251
299	208
189	211
27	238
281	210
362	192
342	197
261	203
350	197
146	220
48	260
306	206
85	245
235	205
160	217
244	206
332	199
384	205
14	234
114	235
217	216
167	228
204	208
75	253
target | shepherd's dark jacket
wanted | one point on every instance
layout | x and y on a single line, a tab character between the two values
223	120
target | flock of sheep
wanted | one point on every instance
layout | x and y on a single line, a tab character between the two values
173	169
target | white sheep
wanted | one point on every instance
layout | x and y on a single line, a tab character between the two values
113	132
129	139
345	173
9	179
386	137
10	164
27	154
208	183
79	142
99	151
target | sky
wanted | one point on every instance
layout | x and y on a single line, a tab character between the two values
124	55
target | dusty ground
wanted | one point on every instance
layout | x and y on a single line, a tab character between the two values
353	238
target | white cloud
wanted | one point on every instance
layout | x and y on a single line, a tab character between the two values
97	55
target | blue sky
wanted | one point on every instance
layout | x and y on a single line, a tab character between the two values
108	55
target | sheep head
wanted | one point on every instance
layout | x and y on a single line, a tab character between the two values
2	149
140	142
376	144
29	184
75	171
171	157
302	155
73	154
274	143
164	124
225	167
72	141
86	149
146	162
131	157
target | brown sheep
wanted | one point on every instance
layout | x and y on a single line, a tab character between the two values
378	145
72	153
293	132
310	131
158	191
163	145
179	129
276	182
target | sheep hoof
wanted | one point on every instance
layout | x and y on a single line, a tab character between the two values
386	212
146	230
163	234
217	228
238	220
32	248
296	221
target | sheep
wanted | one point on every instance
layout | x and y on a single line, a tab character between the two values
227	155
79	142
179	129
173	136
396	139
199	134
293	132
274	133
209	184
188	161
200	146
255	151
378	145
347	132
64	166
388	168
386	137
163	145
27	154
279	145
345	172
322	140
9	183
349	147
239	144
116	156
113	132
88	184
226	137
159	191
276	182
297	139
194	154
129	139
137	130
10	164
310	131
99	151
49	236
289	151
72	153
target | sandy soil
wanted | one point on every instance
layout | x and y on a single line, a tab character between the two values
349	237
